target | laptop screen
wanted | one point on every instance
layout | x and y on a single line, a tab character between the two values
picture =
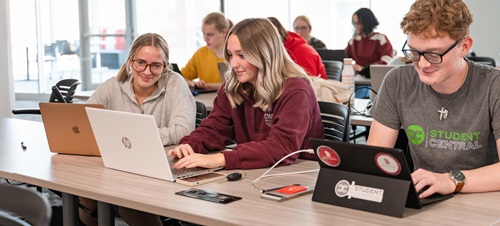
377	75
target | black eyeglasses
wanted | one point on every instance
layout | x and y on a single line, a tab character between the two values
141	65
301	28
433	58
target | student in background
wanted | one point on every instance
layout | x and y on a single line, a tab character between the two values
146	85
447	104
267	106
302	26
366	46
203	64
301	52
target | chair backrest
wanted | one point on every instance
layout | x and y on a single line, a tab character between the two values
336	121
483	60
201	113
64	90
332	54
333	69
23	203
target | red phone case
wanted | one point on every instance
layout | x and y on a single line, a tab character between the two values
291	189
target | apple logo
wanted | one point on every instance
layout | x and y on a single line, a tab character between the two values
75	129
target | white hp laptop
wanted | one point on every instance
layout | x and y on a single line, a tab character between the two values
131	142
377	74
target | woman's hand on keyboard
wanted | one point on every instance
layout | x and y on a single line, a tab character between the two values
181	151
201	160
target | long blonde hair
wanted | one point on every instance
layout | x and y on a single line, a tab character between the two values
263	48
147	39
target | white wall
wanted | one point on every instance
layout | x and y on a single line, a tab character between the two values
6	77
485	30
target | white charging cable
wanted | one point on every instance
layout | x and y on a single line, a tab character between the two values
264	175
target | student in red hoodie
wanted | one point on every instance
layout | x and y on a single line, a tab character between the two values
302	53
267	106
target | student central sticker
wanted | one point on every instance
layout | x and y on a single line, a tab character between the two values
344	189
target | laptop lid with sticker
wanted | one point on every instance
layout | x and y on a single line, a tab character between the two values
364	177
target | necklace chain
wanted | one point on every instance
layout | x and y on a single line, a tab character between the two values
443	112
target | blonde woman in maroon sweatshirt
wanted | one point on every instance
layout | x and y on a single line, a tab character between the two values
267	106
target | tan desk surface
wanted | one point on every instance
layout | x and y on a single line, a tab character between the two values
207	99
360	105
83	95
87	177
362	80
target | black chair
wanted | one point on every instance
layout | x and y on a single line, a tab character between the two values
336	121
483	60
63	92
332	54
333	69
201	113
23	206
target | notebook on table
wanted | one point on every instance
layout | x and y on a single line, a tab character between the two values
364	177
68	129
131	142
377	75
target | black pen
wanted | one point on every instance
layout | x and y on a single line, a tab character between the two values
271	189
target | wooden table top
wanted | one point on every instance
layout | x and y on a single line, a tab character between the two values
86	176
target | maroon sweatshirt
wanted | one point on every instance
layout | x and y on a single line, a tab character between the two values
263	138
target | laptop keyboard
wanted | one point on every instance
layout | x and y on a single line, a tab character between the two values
436	197
186	172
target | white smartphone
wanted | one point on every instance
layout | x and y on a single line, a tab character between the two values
202	179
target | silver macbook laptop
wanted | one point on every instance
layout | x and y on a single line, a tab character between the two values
377	74
223	69
131	142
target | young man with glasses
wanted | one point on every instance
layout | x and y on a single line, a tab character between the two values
448	106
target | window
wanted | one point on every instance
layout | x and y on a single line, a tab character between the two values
40	31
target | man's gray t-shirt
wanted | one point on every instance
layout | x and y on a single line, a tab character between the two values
466	139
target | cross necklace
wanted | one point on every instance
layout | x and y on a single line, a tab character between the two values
443	112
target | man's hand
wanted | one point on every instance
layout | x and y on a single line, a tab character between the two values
436	182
